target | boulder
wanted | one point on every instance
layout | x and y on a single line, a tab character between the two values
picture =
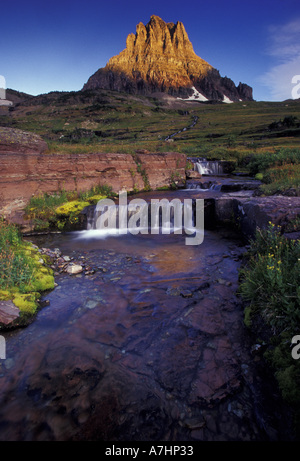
74	269
250	213
191	174
8	312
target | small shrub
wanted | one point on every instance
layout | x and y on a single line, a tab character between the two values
271	280
61	210
259	163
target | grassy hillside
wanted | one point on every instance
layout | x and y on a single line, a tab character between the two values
98	120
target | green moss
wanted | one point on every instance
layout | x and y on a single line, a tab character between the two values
25	295
42	278
43	281
163	188
62	209
5	295
95	198
73	207
47	259
27	303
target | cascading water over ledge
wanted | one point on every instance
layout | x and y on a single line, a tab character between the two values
212	167
208	167
159	216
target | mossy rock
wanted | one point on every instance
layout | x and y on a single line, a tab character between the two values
47	259
26	297
43	280
27	303
71	208
6	295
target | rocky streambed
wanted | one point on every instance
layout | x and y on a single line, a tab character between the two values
143	338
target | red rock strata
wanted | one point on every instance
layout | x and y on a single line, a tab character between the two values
23	175
26	169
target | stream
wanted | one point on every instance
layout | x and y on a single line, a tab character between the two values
148	344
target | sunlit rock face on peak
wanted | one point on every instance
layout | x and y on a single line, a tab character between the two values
159	57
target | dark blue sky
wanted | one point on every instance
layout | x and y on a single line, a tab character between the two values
57	45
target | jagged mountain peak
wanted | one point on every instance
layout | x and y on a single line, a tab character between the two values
159	57
159	36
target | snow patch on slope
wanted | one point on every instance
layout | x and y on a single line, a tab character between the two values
196	96
227	100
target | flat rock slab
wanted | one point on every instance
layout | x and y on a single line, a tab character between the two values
256	212
8	312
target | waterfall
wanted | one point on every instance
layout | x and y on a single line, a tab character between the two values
208	167
90	217
139	217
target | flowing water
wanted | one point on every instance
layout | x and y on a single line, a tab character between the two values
147	344
208	167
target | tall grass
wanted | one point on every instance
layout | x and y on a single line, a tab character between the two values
281	178
279	170
16	268
262	162
40	209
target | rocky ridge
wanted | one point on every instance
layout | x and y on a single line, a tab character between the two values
160	58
